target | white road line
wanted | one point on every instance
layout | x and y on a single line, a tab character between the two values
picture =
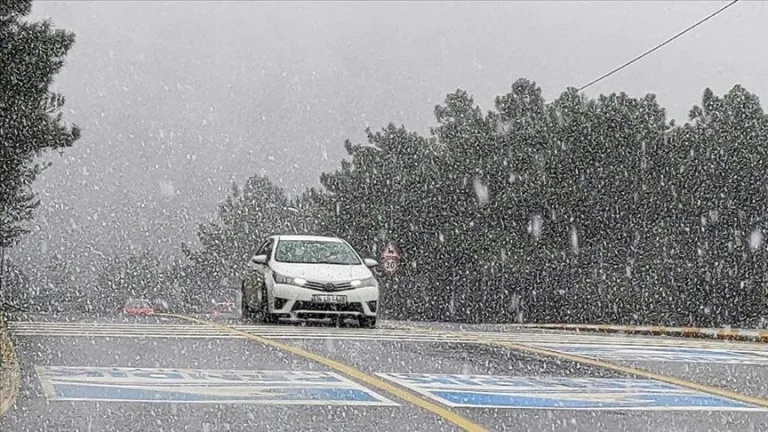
159	330
198	331
657	341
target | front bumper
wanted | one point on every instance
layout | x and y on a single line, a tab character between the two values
296	302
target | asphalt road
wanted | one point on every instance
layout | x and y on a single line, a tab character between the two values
162	374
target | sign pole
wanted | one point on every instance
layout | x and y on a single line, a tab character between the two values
2	269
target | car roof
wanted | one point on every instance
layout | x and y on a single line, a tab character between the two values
308	238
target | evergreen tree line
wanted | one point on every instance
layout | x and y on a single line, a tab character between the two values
577	210
31	124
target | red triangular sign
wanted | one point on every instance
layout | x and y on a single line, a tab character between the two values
390	251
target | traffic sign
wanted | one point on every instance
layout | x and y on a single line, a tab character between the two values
389	264
390	252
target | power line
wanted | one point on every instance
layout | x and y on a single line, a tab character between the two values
702	21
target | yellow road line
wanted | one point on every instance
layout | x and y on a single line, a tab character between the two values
717	391
8	397
726	334
692	331
445	414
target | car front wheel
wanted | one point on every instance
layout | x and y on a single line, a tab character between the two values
262	314
245	310
367	322
268	317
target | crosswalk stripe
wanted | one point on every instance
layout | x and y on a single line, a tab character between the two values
186	331
192	331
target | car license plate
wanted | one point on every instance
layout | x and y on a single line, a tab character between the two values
327	298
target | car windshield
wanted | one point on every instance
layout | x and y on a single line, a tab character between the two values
315	252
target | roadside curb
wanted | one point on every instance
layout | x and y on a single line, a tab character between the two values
694	332
9	369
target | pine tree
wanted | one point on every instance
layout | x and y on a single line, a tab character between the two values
31	54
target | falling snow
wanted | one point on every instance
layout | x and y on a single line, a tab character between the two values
756	239
481	191
173	151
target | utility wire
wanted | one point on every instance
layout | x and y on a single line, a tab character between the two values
702	21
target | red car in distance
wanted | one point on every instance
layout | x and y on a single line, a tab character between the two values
138	307
223	310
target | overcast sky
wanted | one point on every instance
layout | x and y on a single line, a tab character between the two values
179	99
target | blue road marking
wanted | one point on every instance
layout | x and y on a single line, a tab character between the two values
659	354
582	401
70	391
168	374
478	391
203	386
534	383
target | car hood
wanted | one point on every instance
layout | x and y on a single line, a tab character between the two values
322	272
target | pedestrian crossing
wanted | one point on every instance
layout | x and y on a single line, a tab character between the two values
107	329
383	334
199	331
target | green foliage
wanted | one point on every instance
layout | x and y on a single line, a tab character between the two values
61	288
31	122
577	210
16	285
143	275
581	210
246	218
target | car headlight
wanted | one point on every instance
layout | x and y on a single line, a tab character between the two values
371	281
285	280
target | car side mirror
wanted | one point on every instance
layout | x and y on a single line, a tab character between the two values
371	262
259	259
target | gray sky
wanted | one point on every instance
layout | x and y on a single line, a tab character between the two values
179	99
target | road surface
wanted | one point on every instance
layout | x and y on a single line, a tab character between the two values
173	374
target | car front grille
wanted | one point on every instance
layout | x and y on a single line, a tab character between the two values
328	286
323	307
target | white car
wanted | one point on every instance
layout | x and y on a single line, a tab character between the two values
310	277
